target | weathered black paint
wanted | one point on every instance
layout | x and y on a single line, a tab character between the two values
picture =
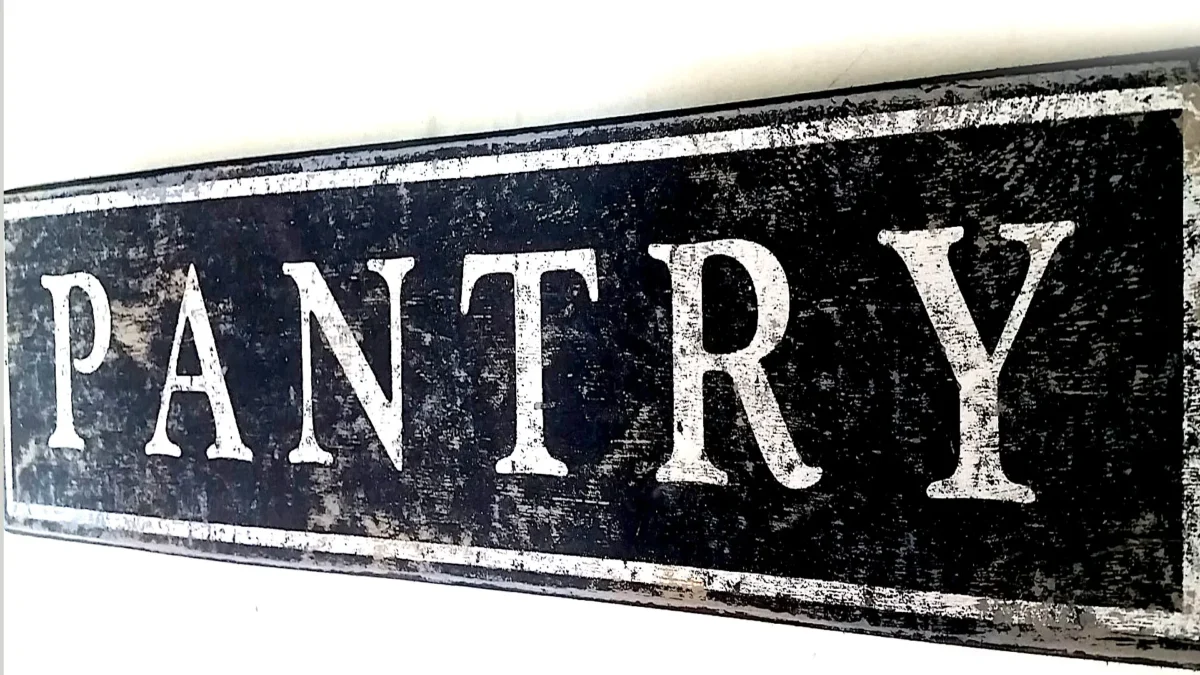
1092	394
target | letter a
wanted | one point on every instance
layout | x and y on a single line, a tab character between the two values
210	382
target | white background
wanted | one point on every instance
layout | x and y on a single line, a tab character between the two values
99	88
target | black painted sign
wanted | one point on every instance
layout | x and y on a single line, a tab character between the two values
918	362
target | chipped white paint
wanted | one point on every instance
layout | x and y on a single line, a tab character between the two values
1181	625
529	453
926	253
64	434
690	361
1189	124
815	591
1017	110
210	382
383	413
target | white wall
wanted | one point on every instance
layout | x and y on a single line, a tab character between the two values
101	88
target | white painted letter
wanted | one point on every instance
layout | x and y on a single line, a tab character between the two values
691	361
210	382
529	454
316	300
64	435
926	253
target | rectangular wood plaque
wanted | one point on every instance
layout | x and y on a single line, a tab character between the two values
918	361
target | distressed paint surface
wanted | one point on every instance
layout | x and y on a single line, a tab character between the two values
757	432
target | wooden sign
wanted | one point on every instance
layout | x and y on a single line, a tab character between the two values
919	362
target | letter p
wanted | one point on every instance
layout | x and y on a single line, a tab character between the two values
64	435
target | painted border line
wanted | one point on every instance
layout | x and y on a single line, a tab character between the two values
1018	110
815	591
1022	110
1189	125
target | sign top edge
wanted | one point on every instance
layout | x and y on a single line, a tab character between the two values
1140	71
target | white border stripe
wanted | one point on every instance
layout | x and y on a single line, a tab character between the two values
9	471
1190	569
815	591
1023	110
